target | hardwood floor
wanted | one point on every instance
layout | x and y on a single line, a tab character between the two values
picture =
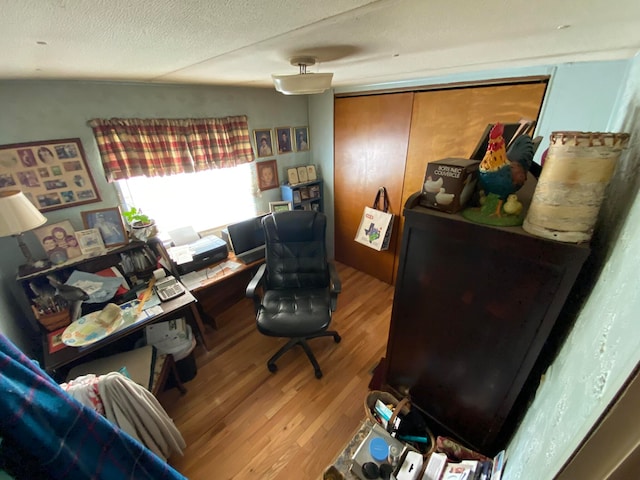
240	421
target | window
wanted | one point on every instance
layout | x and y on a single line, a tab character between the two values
181	172
203	200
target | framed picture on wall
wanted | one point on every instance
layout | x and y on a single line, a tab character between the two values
301	139
109	223
52	174
267	175
264	143
283	139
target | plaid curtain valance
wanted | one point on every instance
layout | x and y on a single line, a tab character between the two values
131	147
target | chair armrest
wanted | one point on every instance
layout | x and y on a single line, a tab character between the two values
256	281
254	284
336	284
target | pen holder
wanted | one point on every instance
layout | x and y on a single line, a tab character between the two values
53	321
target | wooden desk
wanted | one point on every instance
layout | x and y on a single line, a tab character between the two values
183	304
219	289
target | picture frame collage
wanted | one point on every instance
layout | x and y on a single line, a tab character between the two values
52	174
277	141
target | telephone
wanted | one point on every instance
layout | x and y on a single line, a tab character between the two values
168	288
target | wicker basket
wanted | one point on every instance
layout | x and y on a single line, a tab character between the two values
399	407
53	321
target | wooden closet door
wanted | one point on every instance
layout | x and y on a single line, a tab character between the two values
371	137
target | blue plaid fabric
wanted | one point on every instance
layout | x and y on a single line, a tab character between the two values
67	439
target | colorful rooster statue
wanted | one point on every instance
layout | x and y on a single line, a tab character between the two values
503	173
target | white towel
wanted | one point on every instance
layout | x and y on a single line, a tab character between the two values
136	411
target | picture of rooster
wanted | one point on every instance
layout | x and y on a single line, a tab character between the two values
503	172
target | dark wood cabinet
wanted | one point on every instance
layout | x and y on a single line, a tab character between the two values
473	308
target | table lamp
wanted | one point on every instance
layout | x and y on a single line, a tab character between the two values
19	215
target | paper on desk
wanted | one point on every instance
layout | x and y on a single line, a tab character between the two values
181	254
192	280
183	236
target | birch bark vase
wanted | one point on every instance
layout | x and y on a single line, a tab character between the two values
571	187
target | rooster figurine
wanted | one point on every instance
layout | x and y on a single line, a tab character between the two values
503	173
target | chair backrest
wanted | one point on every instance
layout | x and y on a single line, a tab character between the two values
296	254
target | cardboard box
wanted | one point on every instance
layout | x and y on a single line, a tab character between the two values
449	183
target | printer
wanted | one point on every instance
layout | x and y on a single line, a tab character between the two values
187	254
204	252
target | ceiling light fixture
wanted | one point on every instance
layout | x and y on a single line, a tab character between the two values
305	83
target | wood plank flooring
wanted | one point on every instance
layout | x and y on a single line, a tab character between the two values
242	422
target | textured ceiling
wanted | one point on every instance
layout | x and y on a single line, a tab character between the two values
242	42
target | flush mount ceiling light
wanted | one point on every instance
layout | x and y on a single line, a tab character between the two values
305	83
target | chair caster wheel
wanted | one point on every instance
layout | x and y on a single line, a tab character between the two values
318	374
273	368
337	338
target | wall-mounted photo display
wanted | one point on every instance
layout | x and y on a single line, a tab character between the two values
267	175
301	139
283	139
52	174
264	142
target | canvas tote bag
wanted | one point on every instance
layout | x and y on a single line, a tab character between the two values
376	224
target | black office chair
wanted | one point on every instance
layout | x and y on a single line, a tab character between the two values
299	286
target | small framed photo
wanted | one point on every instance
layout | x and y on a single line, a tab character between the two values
311	173
280	206
267	175
90	242
302	174
58	241
292	175
109	223
301	139
296	196
264	142
283	138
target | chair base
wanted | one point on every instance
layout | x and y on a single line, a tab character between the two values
302	341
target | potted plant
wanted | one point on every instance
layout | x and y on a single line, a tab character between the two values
141	227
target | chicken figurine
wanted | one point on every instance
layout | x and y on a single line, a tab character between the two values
503	173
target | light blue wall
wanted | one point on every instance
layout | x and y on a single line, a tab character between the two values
603	347
321	121
39	110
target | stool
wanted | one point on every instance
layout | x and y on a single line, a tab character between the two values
144	366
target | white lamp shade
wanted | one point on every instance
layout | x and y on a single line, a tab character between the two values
18	214
302	84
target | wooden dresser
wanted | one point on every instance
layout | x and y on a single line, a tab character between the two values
473	308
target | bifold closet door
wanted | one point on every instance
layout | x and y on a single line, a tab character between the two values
371	137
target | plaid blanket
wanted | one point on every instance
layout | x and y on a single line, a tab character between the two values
40	423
